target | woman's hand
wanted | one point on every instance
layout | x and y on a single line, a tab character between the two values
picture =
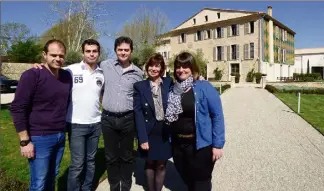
217	153
145	146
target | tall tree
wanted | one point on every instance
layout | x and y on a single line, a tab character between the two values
78	20
145	26
11	33
25	51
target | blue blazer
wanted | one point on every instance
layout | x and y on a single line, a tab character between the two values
145	118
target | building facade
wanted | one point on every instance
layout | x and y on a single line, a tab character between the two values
310	57
235	41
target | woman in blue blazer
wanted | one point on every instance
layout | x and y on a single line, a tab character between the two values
194	112
150	102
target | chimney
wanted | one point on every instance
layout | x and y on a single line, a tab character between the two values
270	11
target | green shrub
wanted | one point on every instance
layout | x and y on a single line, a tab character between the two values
271	88
250	76
224	87
258	76
218	74
294	89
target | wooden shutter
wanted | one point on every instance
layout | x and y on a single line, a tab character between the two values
229	53
214	53
228	31
246	28
238	29
237	52
215	33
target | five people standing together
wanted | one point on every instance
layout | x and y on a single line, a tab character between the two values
182	119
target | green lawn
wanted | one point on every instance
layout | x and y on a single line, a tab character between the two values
311	107
16	167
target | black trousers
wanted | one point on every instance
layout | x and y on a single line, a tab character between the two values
194	166
118	133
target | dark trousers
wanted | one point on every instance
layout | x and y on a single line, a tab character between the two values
118	133
194	166
83	139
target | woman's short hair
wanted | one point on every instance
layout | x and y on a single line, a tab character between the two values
186	60
154	59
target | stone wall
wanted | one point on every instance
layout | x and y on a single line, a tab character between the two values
14	70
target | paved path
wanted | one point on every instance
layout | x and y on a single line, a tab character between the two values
268	148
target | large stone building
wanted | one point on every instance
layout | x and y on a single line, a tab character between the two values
235	41
314	57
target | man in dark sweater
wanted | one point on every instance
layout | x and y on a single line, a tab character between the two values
39	111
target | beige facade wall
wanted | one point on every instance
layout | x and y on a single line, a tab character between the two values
212	17
14	70
207	48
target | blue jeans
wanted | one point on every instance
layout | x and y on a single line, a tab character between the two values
83	140
45	166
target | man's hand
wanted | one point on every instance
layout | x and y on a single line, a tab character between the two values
28	151
145	146
217	153
38	65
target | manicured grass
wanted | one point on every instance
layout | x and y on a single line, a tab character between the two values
16	167
311	107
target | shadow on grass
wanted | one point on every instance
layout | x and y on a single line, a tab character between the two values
100	169
5	106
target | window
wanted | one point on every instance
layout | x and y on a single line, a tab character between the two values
207	34
252	27
218	15
235	29
194	21
206	18
234	51
182	38
198	35
252	50
235	68
219	53
219	32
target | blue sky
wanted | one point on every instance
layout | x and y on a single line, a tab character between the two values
305	18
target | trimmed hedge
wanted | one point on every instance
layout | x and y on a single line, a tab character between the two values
303	90
224	87
307	77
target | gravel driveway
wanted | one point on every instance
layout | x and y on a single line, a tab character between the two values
268	148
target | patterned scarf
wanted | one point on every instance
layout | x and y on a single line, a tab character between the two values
174	107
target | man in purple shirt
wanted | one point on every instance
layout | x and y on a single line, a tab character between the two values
39	112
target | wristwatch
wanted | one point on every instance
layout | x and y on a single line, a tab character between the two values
24	142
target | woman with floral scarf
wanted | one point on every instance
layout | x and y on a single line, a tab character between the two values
194	113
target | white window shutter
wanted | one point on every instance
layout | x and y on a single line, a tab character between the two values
228	53
238	29
228	31
223	32
214	53
237	51
179	39
246	28
246	50
196	36
222	53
